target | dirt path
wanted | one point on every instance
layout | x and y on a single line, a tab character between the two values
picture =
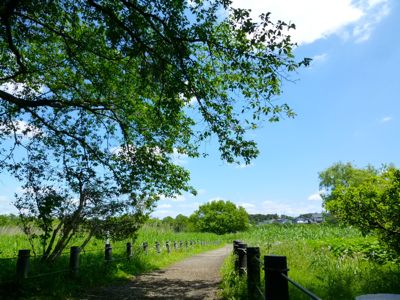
196	277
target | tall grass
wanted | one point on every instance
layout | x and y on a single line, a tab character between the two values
93	270
313	263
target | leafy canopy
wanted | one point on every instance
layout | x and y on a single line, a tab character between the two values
220	217
367	198
96	97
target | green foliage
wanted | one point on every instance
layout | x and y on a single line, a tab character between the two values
368	248
333	262
93	271
95	99
259	218
9	220
366	198
233	286
220	217
179	224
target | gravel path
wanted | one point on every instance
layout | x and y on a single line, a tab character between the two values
196	277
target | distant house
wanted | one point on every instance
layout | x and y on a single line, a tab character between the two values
317	218
301	220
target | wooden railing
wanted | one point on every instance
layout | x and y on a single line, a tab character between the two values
23	260
276	279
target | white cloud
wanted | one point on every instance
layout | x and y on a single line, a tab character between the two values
162	213
386	119
13	88
164	206
316	19
179	158
319	58
21	128
176	198
376	11
315	197
244	166
247	205
25	129
201	192
20	88
192	101
291	209
193	205
215	199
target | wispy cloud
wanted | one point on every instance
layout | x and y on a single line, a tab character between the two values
193	205
315	197
179	158
386	119
319	58
21	128
160	213
215	199
176	198
375	11
244	166
316	19
161	206
249	207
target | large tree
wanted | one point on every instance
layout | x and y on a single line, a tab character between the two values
220	217
367	198
97	95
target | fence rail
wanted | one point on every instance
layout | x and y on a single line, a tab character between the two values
23	260
276	279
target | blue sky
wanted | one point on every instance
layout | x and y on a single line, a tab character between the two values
347	106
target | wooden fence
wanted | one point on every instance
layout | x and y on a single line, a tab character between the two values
276	279
24	257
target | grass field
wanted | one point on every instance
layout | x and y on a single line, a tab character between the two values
332	262
93	270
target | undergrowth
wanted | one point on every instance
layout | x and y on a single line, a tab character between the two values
94	271
332	262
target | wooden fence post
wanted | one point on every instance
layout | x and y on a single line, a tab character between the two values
23	264
74	260
276	286
108	253
186	244
158	247
236	255
167	246
145	247
129	250
180	244
235	245
175	245
242	251
253	272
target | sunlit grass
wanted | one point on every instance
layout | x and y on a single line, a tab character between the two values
93	269
316	264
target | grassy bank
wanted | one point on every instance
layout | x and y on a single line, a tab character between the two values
332	262
93	270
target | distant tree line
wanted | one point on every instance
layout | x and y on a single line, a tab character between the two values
9	220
